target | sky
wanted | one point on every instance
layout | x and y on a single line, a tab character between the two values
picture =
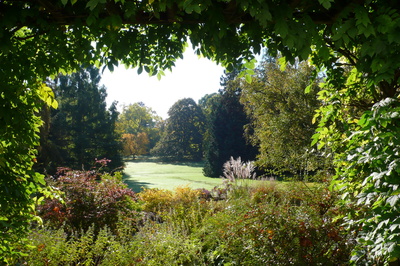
192	77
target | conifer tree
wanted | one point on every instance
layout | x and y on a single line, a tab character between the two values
81	129
225	135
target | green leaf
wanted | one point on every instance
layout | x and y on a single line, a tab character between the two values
315	139
393	227
250	72
248	78
326	3
308	89
64	2
362	17
281	28
140	70
160	73
250	64
282	63
197	9
392	200
91	19
110	66
92	4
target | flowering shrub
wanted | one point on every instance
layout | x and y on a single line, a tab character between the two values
88	198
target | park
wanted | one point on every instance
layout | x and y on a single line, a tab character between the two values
315	121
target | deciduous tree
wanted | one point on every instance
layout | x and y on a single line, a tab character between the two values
134	145
183	135
282	114
137	118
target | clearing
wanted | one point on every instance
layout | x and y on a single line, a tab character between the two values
152	174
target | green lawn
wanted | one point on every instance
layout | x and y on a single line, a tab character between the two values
150	174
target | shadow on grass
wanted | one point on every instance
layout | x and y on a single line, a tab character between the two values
136	186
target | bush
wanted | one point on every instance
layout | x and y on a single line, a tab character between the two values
272	223
88	199
277	226
156	200
55	247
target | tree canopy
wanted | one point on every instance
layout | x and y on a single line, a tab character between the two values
355	42
81	129
225	130
140	128
183	135
282	114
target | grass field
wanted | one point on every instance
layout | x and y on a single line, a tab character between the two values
150	174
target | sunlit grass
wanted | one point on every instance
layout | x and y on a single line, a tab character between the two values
149	173
140	174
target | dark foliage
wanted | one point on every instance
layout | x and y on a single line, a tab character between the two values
82	128
225	135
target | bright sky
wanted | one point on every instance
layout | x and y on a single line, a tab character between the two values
192	77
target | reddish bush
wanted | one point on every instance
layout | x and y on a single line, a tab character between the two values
88	198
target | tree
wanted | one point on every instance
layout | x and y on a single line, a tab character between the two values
134	145
81	129
136	119
183	136
282	115
225	136
42	38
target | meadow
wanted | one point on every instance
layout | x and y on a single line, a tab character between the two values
148	173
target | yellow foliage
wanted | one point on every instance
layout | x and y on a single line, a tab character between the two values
160	200
156	200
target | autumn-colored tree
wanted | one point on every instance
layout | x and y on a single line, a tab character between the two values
134	145
136	119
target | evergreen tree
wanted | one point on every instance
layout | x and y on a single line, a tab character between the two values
225	135
81	129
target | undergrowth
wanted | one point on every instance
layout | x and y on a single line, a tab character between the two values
271	223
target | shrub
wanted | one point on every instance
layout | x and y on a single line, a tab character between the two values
167	244
269	224
88	198
279	226
155	200
55	247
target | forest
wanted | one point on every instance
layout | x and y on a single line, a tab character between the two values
314	123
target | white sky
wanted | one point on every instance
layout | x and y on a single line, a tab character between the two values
192	77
